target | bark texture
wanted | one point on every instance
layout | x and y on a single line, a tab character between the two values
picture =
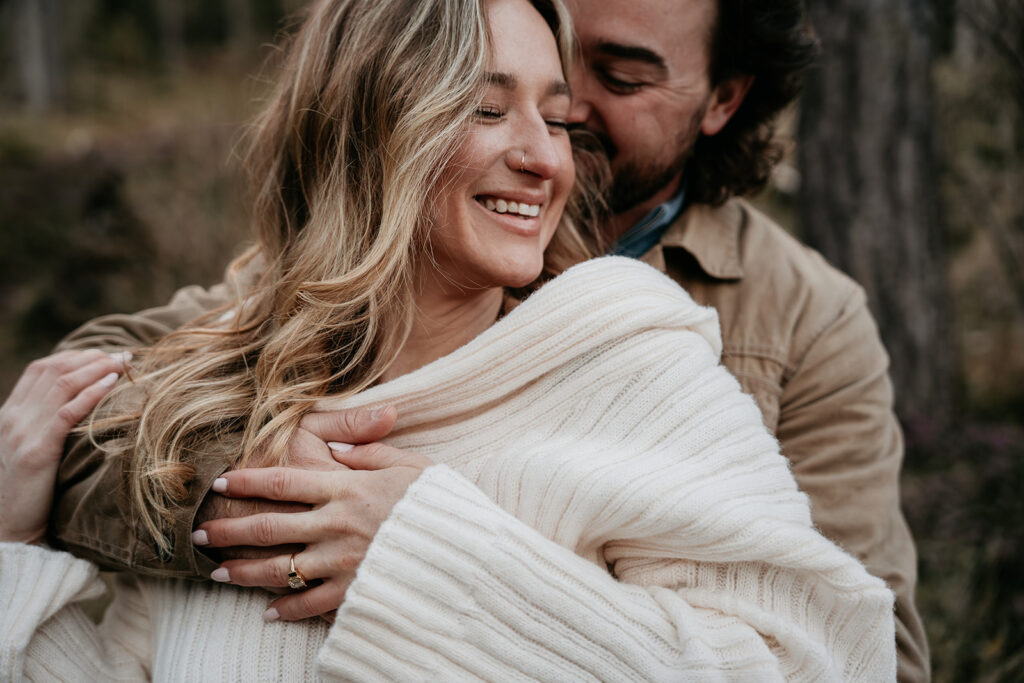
868	199
36	37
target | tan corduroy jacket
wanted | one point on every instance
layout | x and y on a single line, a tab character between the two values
797	334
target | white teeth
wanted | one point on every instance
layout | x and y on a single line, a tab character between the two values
507	206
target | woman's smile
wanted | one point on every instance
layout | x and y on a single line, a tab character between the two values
514	212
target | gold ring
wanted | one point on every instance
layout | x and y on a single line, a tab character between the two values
522	163
296	581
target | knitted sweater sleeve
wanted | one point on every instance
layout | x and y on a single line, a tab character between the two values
683	552
45	635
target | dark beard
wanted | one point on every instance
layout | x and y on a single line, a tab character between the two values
635	183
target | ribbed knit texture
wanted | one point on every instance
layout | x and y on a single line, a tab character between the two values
607	506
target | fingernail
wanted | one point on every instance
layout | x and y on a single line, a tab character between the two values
220	574
122	357
220	485
109	380
339	447
271	614
200	538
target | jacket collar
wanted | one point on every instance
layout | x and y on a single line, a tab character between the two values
711	234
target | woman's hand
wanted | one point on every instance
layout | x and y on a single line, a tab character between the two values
52	396
349	507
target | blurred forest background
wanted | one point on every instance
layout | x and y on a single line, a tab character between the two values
119	182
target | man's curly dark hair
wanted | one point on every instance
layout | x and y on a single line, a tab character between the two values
772	41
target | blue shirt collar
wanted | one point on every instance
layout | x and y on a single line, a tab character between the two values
639	239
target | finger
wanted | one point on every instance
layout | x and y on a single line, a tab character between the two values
45	371
259	530
73	381
378	456
73	412
310	603
360	425
308	451
249	552
275	483
271	571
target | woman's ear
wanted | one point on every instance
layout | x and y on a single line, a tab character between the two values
726	98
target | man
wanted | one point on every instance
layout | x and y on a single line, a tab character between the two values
682	94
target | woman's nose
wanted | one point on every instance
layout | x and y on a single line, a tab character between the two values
538	156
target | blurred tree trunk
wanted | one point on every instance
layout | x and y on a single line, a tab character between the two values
241	25
869	196
999	26
36	37
172	33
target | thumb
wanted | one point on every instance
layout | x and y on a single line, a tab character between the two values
356	426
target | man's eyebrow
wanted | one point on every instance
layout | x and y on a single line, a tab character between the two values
507	81
631	52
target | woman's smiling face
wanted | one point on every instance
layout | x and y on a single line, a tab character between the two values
502	196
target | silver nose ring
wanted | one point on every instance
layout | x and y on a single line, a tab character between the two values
522	163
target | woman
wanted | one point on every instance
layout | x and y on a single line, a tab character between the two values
575	488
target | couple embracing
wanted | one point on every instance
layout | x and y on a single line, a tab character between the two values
476	450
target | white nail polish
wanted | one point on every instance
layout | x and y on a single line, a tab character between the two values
339	447
271	614
109	380
220	485
122	357
200	538
220	574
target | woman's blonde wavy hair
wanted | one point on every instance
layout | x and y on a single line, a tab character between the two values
371	104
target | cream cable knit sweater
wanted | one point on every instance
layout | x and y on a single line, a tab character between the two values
607	505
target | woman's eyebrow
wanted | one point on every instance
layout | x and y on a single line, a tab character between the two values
507	81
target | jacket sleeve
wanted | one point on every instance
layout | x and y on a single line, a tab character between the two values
694	560
838	429
46	636
91	510
121	331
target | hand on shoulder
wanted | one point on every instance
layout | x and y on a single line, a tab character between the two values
348	506
52	396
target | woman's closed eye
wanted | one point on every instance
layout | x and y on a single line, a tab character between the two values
489	112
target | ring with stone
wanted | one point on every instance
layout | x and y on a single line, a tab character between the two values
296	581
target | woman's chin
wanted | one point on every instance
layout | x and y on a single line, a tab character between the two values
509	272
521	276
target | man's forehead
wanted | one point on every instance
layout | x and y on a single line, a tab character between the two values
663	27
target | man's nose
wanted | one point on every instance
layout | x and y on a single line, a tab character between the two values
580	111
581	108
